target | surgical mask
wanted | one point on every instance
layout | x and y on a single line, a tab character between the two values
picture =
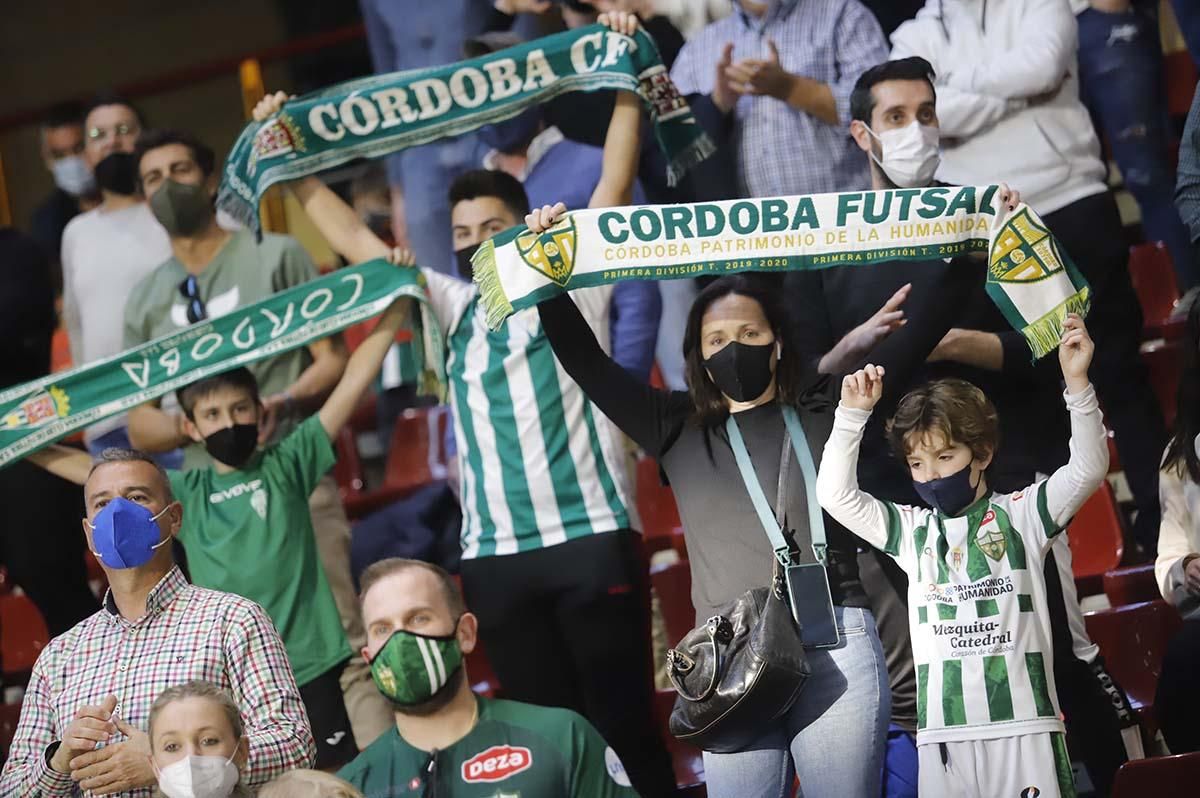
910	154
411	668
183	209
199	777
1196	444
234	445
512	135
741	371
125	534
948	495
463	258
117	173
72	175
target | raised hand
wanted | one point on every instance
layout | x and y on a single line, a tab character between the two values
1075	353
539	220
269	105
763	76
724	95
620	21
862	389
400	256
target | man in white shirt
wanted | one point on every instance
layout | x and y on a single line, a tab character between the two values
108	250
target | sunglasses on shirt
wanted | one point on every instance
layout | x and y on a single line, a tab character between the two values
190	289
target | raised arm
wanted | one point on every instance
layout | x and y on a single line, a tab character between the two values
1070	486
362	368
837	479
1175	554
64	462
620	165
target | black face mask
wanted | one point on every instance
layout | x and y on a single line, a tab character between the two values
463	258
234	445
117	173
741	371
948	495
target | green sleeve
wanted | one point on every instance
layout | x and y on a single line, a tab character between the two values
305	455
596	771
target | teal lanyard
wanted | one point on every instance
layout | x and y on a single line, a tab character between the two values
808	469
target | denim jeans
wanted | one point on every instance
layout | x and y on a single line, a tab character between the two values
119	439
425	173
1121	72
833	737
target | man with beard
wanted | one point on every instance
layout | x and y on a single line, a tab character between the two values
106	251
448	741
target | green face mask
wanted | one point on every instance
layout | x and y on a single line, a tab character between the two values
182	208
411	668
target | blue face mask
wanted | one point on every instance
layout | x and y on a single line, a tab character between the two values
948	495
125	534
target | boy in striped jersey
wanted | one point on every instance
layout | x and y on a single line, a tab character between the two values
988	722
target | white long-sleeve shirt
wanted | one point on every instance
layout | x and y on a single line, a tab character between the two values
978	614
1178	536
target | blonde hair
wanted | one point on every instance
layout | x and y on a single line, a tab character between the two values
197	689
308	784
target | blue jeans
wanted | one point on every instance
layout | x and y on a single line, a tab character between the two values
833	737
1121	71
119	439
425	173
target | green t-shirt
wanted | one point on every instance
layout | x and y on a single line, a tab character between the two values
249	532
514	750
242	272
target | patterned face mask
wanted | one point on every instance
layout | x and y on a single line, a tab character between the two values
411	668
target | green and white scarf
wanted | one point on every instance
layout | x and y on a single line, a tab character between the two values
36	414
371	117
1030	277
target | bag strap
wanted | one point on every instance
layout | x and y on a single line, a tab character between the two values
770	522
808	467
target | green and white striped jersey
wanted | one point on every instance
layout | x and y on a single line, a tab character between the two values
978	616
539	464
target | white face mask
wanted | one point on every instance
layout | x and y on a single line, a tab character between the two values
72	175
910	154
199	777
1196	443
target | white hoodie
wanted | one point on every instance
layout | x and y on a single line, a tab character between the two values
1008	97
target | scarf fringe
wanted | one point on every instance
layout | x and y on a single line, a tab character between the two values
491	292
692	155
1044	335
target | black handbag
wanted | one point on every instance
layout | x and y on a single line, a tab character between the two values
746	666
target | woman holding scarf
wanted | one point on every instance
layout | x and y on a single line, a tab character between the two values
739	363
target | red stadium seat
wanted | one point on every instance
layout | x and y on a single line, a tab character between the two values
661	527
1097	540
23	635
1132	640
1181	82
10	715
1153	279
1160	777
415	459
1162	361
673	585
1131	585
686	759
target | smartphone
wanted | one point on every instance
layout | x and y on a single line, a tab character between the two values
812	605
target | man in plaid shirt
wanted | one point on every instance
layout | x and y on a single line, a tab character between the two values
784	69
85	710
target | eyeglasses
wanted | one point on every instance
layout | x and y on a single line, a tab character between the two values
190	290
102	133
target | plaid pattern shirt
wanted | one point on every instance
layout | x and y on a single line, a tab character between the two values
187	633
781	150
